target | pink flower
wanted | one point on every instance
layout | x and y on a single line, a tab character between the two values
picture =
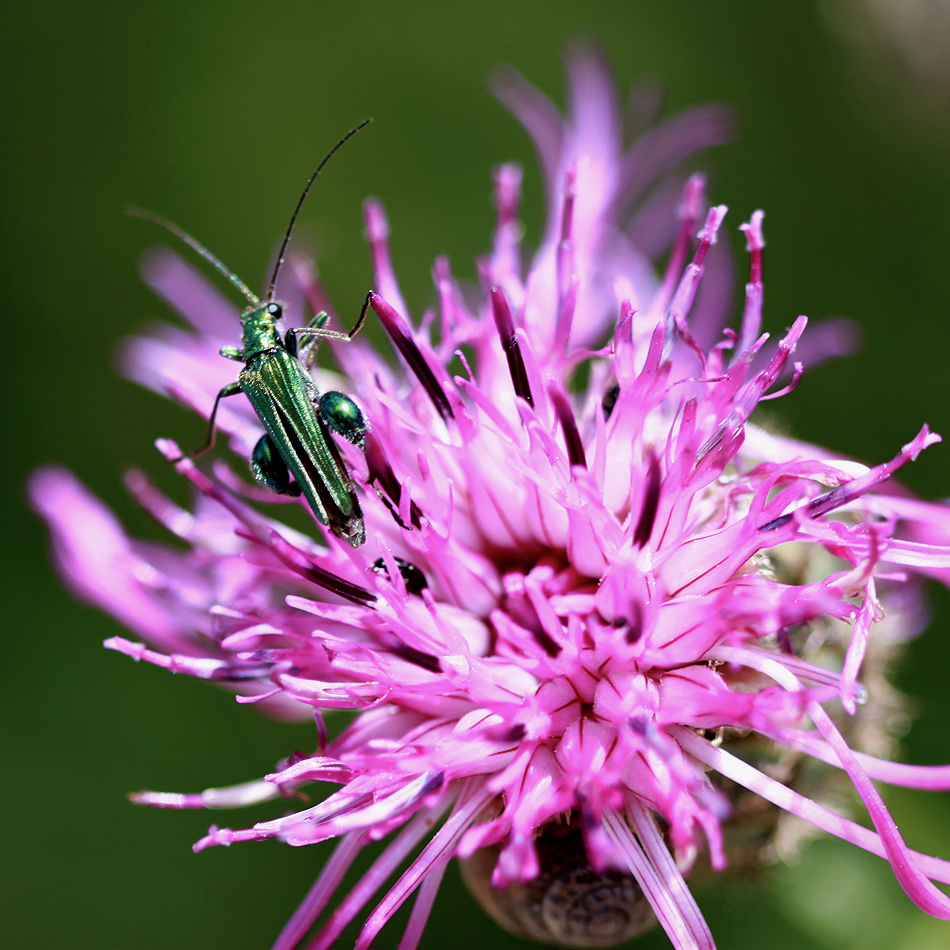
579	590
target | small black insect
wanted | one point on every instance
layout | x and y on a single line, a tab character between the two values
414	579
610	399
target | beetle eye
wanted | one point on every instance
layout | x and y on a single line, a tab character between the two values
275	310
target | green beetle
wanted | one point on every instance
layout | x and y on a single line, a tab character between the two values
297	418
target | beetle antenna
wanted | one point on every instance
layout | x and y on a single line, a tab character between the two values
200	248
293	217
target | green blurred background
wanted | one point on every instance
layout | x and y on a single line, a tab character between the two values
213	112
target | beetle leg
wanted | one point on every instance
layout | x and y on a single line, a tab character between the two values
293	343
232	389
362	318
316	329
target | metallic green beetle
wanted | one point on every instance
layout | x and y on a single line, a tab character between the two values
279	386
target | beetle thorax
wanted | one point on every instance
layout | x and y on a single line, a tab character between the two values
260	331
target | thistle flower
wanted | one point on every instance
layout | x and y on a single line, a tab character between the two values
580	591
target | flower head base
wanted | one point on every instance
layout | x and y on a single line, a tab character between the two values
572	596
